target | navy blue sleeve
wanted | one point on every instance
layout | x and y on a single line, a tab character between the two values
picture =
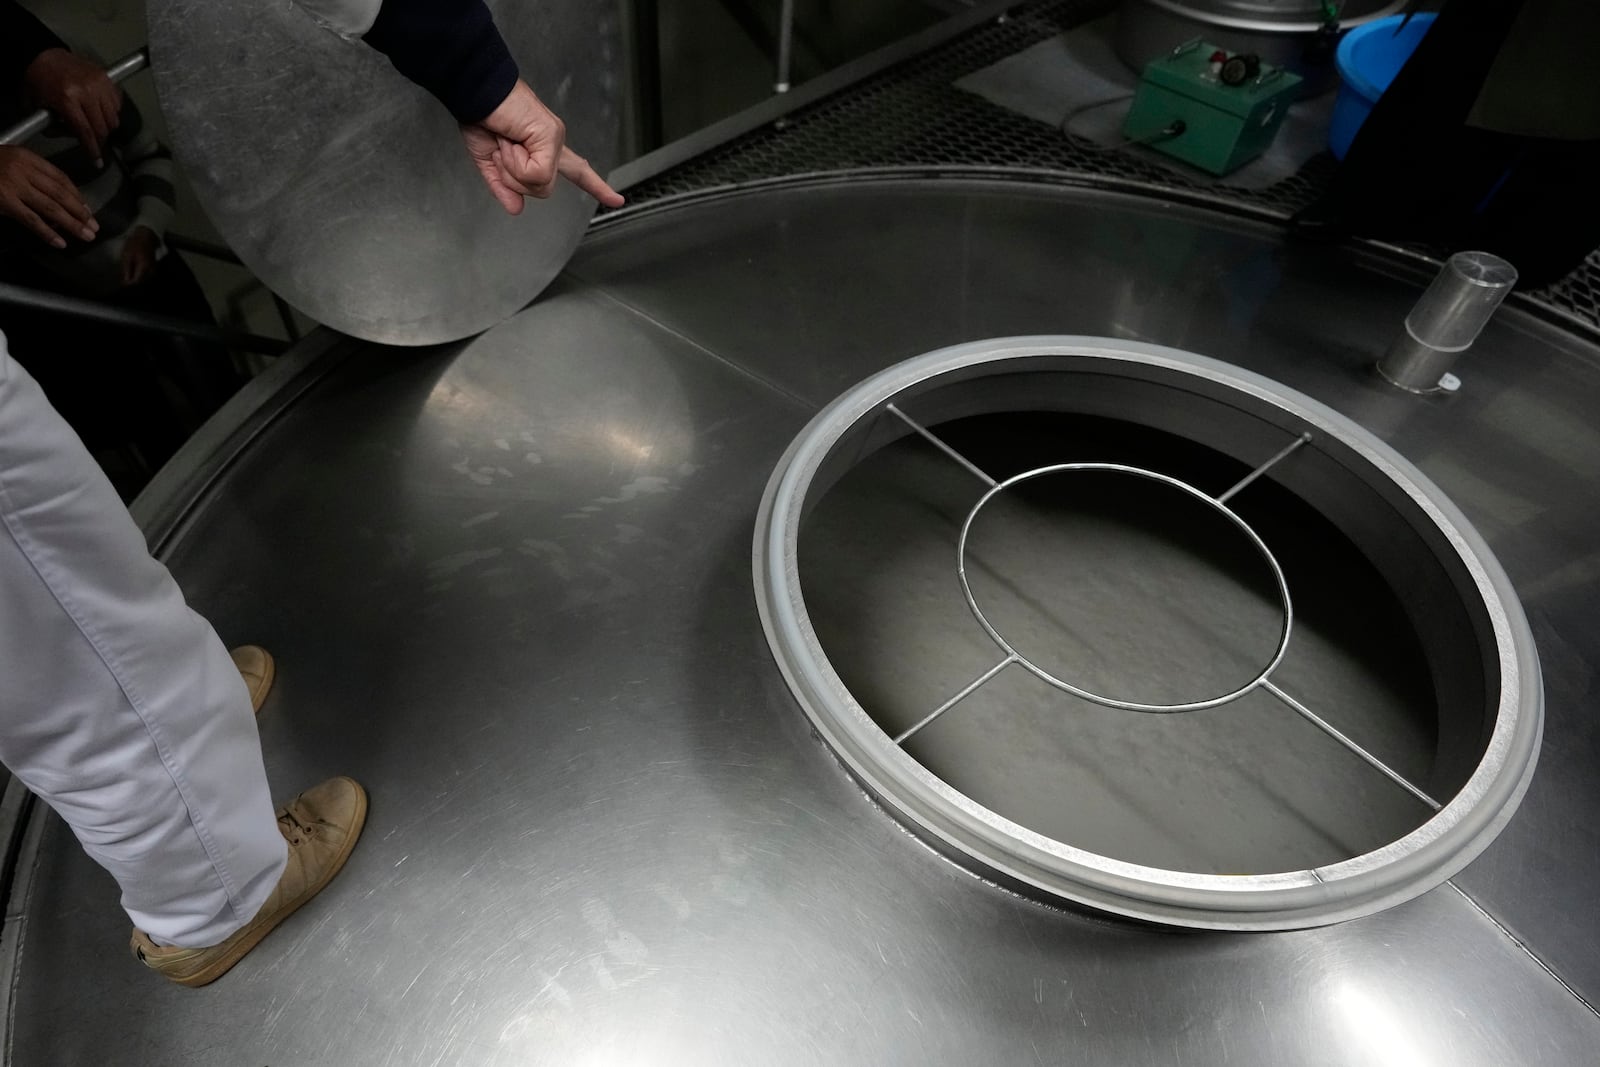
22	37
449	47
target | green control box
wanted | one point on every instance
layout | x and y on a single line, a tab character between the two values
1224	126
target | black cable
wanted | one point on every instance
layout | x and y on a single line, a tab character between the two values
1172	129
1084	109
1175	128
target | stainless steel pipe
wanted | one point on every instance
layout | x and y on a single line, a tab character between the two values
77	307
1445	322
785	46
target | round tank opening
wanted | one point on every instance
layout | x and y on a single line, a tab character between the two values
994	576
1132	590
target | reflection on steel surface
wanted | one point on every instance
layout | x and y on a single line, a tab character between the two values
345	188
1222	405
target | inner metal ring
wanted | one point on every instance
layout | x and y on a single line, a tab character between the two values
1154	476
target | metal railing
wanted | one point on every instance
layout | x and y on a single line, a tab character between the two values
79	308
94	311
35	124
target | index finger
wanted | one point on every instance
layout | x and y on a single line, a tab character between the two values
109	106
57	211
77	116
27	218
576	170
52	185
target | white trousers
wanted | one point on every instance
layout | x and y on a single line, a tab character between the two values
119	707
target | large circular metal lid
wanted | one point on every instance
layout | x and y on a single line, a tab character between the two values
1148	713
345	187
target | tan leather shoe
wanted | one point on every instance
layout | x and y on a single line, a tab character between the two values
321	826
257	669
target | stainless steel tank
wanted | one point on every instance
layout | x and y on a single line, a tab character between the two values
508	583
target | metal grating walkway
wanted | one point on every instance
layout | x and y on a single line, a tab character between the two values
912	115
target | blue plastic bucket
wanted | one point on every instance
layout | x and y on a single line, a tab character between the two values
1369	57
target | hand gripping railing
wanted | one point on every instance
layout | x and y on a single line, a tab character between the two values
35	124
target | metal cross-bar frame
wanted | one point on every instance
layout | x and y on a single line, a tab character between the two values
1262	680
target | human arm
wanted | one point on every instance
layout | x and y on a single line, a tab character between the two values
520	150
75	90
150	177
452	49
41	198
